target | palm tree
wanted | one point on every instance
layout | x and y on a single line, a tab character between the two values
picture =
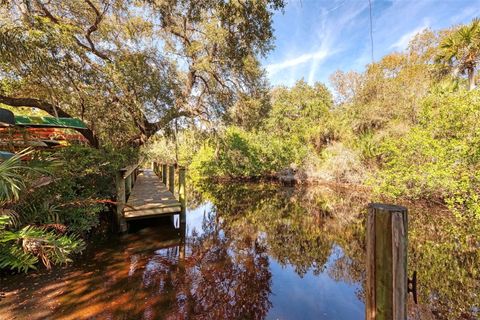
460	51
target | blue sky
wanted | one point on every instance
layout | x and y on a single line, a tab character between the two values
314	38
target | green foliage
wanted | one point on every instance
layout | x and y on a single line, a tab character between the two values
297	111
283	139
22	249
11	178
178	147
203	164
82	177
12	173
439	157
46	212
242	154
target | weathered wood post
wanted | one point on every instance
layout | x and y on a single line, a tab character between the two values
155	167
171	178
128	185
183	233
164	174
120	203
182	192
386	288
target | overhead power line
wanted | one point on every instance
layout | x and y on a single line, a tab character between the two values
371	28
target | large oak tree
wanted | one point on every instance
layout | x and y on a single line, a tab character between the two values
130	68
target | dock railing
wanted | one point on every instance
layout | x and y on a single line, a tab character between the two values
167	172
124	181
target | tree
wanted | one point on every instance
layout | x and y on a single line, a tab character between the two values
460	51
296	110
129	68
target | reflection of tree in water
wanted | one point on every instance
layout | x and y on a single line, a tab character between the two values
445	252
301	226
223	273
230	277
221	278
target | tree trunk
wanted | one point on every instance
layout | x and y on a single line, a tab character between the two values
471	79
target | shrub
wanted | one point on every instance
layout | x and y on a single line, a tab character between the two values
243	154
440	157
80	178
340	164
22	249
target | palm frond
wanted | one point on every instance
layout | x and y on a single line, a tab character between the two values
14	173
21	250
14	258
11	180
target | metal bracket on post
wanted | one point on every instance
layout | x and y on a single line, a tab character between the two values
412	287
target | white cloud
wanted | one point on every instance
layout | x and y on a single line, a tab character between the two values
404	40
465	15
293	62
326	28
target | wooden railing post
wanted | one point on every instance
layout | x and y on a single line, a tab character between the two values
171	178
120	203
128	185
164	174
182	244
154	167
386	288
182	192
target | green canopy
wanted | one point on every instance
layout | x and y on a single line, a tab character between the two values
49	122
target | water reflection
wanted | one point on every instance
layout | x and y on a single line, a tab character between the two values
246	251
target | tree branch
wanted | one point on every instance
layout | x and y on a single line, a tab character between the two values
98	19
152	128
93	28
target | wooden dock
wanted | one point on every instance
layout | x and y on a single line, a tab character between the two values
150	198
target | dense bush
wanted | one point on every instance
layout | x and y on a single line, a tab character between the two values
80	177
440	157
49	202
340	164
242	154
298	116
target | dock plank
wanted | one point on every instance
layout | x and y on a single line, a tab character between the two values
150	198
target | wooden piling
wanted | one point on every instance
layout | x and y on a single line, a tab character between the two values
171	178
386	287
128	186
120	201
182	244
182	192
164	174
